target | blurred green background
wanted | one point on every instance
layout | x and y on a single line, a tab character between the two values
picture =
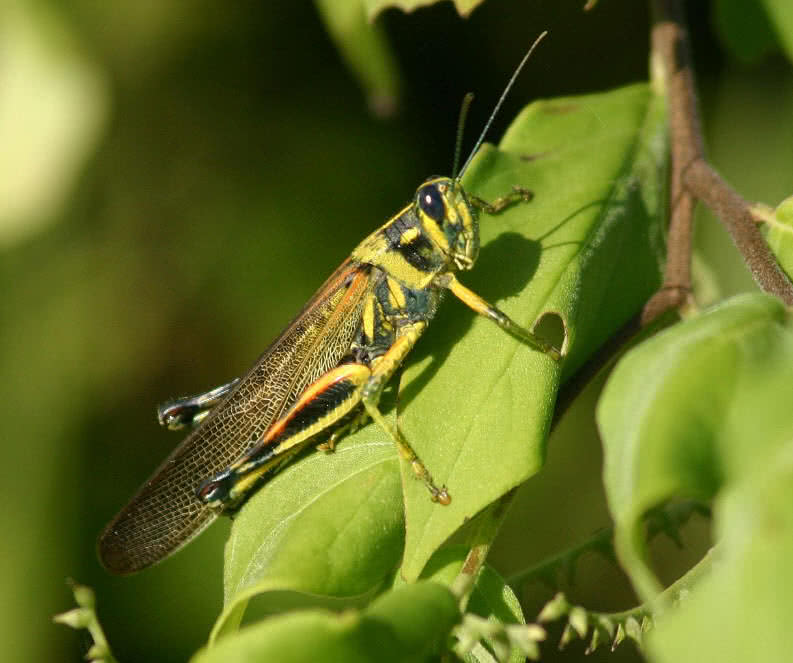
176	178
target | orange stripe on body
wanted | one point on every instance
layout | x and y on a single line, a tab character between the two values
351	372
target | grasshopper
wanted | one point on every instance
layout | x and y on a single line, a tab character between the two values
322	376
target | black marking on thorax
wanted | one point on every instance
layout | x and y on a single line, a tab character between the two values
419	252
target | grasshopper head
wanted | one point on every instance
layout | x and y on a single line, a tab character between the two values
443	207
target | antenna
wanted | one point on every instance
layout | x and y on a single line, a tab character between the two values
458	141
498	105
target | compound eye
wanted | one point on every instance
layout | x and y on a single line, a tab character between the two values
431	202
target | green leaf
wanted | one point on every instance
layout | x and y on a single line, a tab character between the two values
374	7
779	233
408	624
703	409
477	403
695	412
365	48
329	526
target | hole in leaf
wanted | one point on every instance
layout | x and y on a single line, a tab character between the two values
550	327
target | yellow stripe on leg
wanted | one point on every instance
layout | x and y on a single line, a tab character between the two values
482	307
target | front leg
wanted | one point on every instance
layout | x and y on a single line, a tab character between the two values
518	195
482	307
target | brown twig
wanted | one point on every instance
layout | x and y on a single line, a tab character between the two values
692	178
670	50
734	212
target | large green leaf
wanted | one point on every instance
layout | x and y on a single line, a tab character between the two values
703	410
329	527
478	403
409	624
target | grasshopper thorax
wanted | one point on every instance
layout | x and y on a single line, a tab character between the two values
449	220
